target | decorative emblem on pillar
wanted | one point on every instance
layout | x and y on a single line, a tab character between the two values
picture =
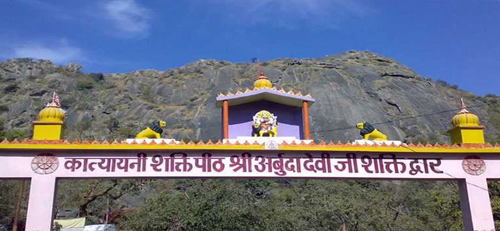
44	163
474	165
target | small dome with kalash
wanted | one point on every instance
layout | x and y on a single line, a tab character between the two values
465	118
50	123
466	128
51	113
262	82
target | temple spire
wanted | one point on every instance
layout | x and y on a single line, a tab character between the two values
463	107
262	81
261	73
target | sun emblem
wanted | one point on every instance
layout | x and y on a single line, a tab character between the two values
44	163
474	165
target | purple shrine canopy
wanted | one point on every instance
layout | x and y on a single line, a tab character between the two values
280	97
286	106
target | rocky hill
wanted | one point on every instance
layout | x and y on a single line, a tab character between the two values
350	87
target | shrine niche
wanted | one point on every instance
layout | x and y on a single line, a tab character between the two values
265	124
265	100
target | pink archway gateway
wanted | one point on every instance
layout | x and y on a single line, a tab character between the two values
44	162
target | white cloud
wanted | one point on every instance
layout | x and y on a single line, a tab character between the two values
288	13
118	18
59	53
128	18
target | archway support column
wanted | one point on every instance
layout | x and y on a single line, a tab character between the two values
475	204
41	203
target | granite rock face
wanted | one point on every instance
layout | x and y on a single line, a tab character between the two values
348	88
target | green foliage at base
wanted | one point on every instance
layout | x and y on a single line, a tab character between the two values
10	195
494	190
11	134
16	134
300	205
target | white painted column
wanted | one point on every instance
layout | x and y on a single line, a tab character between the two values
41	203
475	204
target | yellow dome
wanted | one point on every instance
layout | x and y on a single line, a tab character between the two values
51	113
465	118
262	82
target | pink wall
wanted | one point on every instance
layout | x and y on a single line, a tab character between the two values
45	169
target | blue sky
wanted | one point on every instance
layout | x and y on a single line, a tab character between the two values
457	41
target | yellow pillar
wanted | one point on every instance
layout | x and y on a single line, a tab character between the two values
47	130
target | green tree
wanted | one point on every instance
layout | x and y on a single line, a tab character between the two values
494	190
300	205
10	196
93	198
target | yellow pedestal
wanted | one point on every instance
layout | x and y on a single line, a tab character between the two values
467	135
47	130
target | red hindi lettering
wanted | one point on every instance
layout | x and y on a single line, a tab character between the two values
243	162
308	165
108	164
322	163
140	163
277	165
351	164
73	164
261	164
418	167
293	164
206	162
398	166
180	161
434	165
122	163
376	163
158	161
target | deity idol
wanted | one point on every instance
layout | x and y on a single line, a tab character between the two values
264	122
